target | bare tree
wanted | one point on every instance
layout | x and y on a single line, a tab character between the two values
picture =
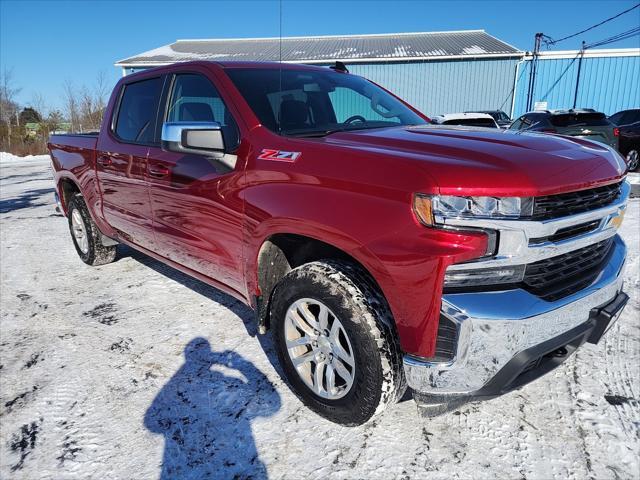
8	106
72	105
39	104
85	106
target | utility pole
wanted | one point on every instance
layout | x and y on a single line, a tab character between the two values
532	70
575	96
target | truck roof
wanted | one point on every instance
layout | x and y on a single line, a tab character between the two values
229	65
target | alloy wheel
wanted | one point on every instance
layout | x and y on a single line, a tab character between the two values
79	231
319	348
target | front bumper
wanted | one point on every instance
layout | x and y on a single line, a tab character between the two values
495	328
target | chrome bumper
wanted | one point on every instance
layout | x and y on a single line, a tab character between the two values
495	326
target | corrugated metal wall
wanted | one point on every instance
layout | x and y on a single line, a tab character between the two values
607	84
438	87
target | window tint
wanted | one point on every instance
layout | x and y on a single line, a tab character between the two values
579	119
516	125
527	121
195	99
137	111
631	116
616	119
503	116
473	122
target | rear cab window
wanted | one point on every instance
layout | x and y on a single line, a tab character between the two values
632	116
594	119
135	120
473	122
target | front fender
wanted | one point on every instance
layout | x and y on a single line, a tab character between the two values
379	231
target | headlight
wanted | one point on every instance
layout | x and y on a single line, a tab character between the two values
429	208
483	276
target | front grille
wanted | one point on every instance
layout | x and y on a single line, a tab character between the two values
558	277
567	232
561	205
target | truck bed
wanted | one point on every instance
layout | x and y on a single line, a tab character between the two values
74	153
76	140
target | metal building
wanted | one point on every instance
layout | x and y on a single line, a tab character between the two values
607	80
438	72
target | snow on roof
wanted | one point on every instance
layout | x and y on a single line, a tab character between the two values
327	49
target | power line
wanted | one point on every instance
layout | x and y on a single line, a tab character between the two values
564	72
615	38
553	42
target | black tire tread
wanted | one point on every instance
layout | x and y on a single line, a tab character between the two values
360	295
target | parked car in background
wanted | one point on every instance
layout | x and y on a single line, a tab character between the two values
625	117
630	144
583	123
467	119
381	251
502	119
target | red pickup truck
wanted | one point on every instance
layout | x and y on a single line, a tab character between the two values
380	250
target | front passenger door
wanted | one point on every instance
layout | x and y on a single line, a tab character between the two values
197	209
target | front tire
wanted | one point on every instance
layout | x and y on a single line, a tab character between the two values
85	234
336	342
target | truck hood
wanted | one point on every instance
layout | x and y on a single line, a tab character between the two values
484	161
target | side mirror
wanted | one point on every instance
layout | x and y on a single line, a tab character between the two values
193	137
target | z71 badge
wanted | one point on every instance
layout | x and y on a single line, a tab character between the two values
278	155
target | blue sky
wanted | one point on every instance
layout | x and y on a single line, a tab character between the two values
48	42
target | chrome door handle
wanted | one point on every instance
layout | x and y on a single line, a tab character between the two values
158	171
104	160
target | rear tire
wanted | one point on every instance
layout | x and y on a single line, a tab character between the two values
85	234
358	358
633	157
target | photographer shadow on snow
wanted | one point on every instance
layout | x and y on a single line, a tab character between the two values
205	411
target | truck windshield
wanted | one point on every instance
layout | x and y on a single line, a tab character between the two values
317	103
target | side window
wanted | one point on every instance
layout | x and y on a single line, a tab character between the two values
527	121
632	116
195	99
517	124
617	118
137	111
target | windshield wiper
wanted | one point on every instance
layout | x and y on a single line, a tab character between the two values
314	133
329	131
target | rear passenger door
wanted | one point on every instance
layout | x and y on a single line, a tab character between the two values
122	160
197	211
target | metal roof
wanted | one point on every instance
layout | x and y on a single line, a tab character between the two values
327	49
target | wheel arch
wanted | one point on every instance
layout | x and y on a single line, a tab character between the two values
282	252
67	188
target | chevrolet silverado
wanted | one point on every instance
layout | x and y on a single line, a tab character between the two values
381	251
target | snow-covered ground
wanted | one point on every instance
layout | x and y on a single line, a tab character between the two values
135	371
